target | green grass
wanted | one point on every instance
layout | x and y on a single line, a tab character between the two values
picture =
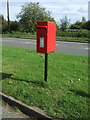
19	35
78	39
65	94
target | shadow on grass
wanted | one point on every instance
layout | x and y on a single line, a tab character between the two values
5	75
36	83
81	93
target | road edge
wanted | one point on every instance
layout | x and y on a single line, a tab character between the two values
56	39
24	108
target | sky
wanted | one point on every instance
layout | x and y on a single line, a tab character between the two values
73	9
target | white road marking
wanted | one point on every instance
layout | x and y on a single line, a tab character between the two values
81	43
87	48
71	42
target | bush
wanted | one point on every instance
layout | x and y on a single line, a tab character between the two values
81	33
4	28
85	33
14	26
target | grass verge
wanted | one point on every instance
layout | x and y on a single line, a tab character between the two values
19	35
76	39
65	95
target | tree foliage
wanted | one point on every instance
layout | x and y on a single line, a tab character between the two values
64	23
2	20
3	24
83	19
77	25
88	25
81	24
0	23
30	13
14	26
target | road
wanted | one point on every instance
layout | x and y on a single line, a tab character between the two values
10	112
75	48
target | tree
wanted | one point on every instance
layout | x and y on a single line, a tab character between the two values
0	24
30	13
78	25
88	25
3	24
2	20
14	26
65	22
83	19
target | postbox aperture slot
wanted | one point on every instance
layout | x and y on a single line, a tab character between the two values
41	27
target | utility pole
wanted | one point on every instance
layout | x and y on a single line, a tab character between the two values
8	15
89	11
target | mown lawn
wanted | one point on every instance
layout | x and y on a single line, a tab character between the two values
65	95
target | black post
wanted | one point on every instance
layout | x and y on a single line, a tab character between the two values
46	67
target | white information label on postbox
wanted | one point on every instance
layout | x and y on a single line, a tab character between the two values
41	42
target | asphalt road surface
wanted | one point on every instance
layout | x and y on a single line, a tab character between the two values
75	48
8	112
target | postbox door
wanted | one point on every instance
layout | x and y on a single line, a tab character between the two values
41	39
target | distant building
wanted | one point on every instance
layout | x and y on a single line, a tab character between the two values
89	10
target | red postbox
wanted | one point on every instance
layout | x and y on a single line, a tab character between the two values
46	37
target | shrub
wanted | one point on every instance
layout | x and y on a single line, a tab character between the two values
85	33
81	33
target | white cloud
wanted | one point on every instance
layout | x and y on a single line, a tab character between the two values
82	10
21	0
46	0
74	9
